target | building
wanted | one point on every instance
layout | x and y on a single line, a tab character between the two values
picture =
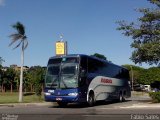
18	68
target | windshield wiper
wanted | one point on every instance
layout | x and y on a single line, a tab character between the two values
64	83
54	84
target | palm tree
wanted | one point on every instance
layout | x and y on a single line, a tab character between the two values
21	38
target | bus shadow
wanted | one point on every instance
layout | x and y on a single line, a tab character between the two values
85	105
101	103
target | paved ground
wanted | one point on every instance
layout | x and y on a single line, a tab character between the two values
102	111
138	107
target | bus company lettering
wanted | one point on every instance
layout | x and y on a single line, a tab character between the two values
104	80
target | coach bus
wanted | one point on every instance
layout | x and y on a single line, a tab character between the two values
82	78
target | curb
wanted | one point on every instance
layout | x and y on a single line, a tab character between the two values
27	104
135	105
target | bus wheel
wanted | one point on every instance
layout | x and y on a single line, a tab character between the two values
91	100
62	104
121	98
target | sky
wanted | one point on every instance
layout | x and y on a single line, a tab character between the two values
89	26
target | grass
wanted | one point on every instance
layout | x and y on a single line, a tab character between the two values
140	93
8	97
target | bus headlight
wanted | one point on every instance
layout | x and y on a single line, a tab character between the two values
47	93
73	94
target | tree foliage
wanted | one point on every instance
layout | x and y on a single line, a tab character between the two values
37	78
136	72
145	34
99	56
150	75
19	36
144	76
33	80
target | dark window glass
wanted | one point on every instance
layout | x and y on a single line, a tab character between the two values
96	66
83	63
55	61
53	70
70	60
68	70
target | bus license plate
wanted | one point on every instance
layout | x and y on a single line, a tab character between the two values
58	99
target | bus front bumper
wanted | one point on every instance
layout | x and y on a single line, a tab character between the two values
69	99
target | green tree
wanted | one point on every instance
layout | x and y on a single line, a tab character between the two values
37	77
143	76
99	56
145	34
149	76
1	76
31	79
26	79
16	80
1	60
10	75
135	71
21	38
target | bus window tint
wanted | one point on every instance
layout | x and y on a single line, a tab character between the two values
55	61
68	69
95	66
83	63
70	60
53	70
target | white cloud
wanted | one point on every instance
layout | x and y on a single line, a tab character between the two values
2	2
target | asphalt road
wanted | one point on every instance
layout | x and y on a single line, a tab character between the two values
133	109
102	111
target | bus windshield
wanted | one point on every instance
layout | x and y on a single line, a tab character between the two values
52	76
69	75
62	75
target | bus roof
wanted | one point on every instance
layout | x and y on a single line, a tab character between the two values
80	55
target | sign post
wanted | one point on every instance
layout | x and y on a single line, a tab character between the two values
61	48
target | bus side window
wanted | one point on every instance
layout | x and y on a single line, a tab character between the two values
83	63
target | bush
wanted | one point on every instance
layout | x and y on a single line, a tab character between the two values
155	96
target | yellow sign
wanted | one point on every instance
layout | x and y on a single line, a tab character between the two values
60	48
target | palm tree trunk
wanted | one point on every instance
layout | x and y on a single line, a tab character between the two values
21	75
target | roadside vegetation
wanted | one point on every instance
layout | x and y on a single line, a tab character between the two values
143	76
8	97
145	34
33	84
155	97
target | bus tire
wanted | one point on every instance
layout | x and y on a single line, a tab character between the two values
121	97
124	96
91	100
62	104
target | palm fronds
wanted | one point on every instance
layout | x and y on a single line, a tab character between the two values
19	36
